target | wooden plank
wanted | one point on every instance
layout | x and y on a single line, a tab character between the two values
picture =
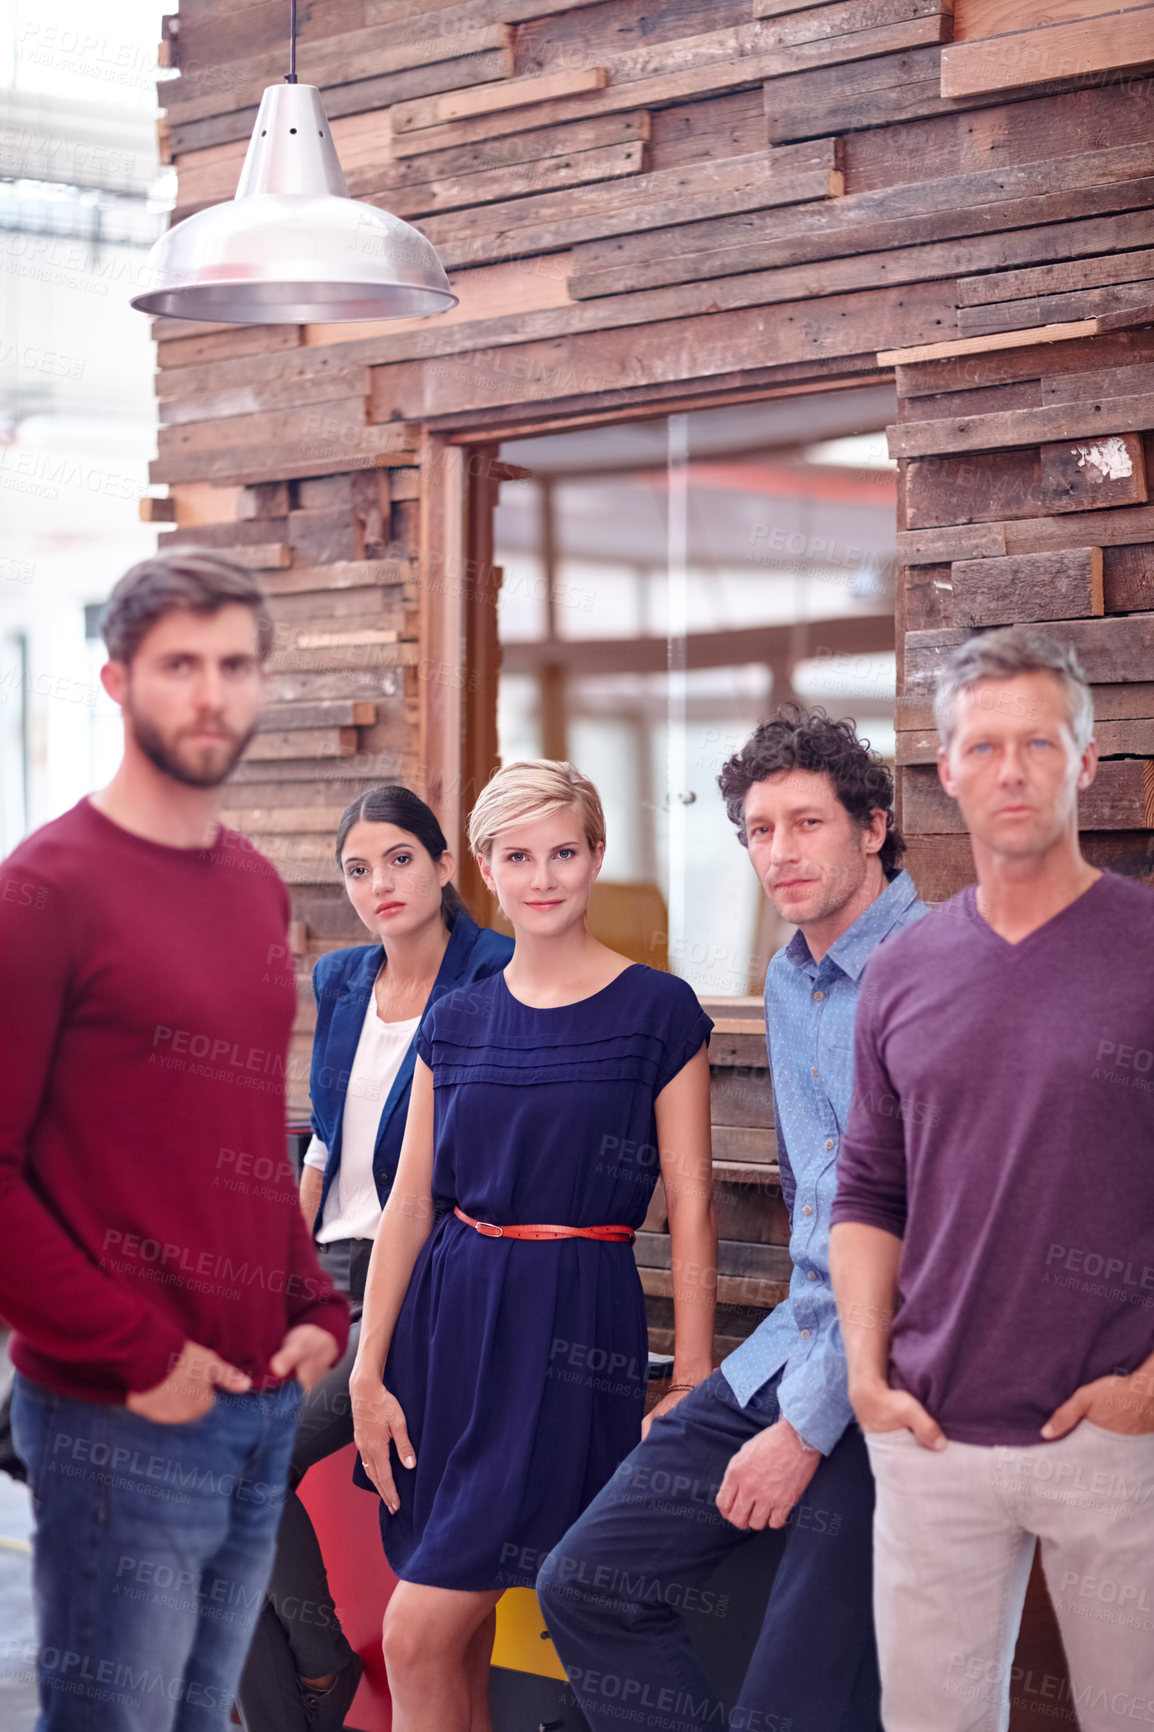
1123	525
1089	476
342	574
720	75
1121	797
1128	579
987	487
734	1256
871	221
744	1142
237	432
303	743
651	201
336	713
511	93
1096	304
984	344
1055	279
977	18
739	1291
522	182
326	454
1034	587
296	391
286	820
1096	419
589	365
767	1175
536	145
1098	382
1111	649
856	95
1126	321
1066	50
247	340
1086	358
266	556
333	60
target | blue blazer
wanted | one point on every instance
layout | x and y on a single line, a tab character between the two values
343	983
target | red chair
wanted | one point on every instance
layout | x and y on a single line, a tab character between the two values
360	1579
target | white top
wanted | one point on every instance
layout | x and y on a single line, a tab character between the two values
352	1208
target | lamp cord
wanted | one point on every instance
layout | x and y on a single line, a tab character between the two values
291	75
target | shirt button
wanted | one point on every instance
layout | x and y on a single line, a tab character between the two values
806	1210
805	1334
818	996
829	1142
811	1275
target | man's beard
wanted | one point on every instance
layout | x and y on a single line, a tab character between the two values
167	761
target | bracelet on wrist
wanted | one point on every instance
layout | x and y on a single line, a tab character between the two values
674	1386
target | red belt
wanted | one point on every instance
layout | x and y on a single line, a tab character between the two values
614	1235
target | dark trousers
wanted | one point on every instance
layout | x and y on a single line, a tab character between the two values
615	1590
298	1633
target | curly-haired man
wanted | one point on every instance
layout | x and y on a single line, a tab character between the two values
769	1440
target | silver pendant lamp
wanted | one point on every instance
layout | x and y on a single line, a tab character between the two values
292	247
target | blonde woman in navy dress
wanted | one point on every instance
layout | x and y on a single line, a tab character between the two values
501	1373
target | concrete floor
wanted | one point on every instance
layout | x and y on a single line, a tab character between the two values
17	1641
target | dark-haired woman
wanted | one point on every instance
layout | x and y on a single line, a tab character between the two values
302	1674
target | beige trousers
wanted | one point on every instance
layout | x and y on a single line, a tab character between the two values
954	1536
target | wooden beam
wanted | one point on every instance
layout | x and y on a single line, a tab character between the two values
591	365
1036	56
1037	586
522	182
1055	188
761	180
1001	286
341	574
983	345
730	60
303	743
336	713
1123	526
332	60
1096	420
511	93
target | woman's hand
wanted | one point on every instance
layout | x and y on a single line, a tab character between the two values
379	1420
665	1405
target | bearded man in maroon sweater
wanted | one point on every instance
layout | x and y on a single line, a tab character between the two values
166	1302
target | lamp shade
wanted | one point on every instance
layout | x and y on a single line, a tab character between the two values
292	247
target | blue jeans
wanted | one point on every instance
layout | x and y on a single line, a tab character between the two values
615	1589
153	1546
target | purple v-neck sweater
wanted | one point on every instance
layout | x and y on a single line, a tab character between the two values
1002	1127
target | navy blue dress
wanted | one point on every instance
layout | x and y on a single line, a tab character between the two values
521	1364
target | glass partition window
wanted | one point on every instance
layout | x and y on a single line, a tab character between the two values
667	584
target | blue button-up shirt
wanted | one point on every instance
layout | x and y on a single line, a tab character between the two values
809	1018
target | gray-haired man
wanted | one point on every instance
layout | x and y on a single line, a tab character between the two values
997	1177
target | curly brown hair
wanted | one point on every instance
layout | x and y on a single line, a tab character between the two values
797	739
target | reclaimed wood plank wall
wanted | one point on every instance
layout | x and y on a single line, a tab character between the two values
645	206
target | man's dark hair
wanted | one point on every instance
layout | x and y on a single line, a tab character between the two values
194	578
797	739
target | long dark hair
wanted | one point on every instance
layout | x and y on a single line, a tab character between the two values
392	803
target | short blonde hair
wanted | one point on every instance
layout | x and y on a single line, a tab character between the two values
534	788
